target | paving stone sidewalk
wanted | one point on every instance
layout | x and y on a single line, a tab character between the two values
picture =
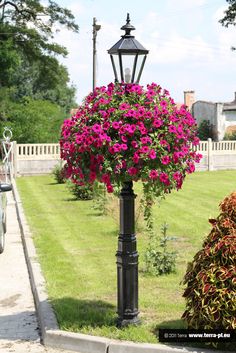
19	331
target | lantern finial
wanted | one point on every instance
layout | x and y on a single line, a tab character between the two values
127	27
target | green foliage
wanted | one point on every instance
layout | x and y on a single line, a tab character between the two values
229	15
81	192
27	53
205	130
58	173
50	82
31	121
99	198
230	136
211	277
147	202
158	259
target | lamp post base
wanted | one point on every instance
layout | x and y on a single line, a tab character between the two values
126	322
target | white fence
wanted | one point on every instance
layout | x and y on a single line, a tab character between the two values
217	155
35	158
41	158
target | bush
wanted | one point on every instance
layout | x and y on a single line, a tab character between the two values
99	198
81	192
58	174
211	277
205	130
158	259
230	136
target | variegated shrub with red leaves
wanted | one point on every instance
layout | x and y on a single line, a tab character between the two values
211	277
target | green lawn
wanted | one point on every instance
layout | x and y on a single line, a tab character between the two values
77	250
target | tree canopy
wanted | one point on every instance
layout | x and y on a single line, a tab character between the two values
28	52
230	15
32	80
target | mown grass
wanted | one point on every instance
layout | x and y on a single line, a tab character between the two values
77	250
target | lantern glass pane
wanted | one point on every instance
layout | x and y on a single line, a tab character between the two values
127	64
117	67
138	67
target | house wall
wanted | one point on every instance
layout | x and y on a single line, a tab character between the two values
220	120
207	111
204	111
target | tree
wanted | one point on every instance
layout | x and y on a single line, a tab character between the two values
28	53
31	121
230	16
49	83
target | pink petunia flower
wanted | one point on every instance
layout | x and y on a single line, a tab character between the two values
153	174
132	171
165	160
172	129
124	147
115	125
96	128
152	154
164	178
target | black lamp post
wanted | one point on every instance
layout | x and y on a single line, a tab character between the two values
131	53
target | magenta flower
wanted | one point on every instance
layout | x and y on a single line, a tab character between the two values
165	160
157	123
124	138
145	140
124	147
152	154
125	132
109	188
124	106
153	174
164	178
134	144
144	149
105	178
96	128
132	171
172	129
136	158
115	125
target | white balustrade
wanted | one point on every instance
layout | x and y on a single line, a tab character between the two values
37	151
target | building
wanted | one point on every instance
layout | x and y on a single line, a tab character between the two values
221	116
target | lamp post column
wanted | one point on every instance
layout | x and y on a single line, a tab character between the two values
127	260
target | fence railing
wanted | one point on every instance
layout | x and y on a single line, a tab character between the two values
42	157
52	150
38	151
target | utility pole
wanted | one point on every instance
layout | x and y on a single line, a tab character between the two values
95	30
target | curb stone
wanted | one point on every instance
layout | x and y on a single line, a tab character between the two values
52	336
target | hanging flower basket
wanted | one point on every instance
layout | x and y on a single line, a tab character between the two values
124	132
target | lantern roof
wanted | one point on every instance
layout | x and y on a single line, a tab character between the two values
128	44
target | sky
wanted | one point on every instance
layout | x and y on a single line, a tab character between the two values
188	47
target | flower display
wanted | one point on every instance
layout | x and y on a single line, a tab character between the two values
125	132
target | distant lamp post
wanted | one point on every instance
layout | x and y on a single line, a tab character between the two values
128	56
131	55
96	28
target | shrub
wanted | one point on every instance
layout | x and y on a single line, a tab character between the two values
81	192
99	198
58	174
211	277
205	130
158	259
230	136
